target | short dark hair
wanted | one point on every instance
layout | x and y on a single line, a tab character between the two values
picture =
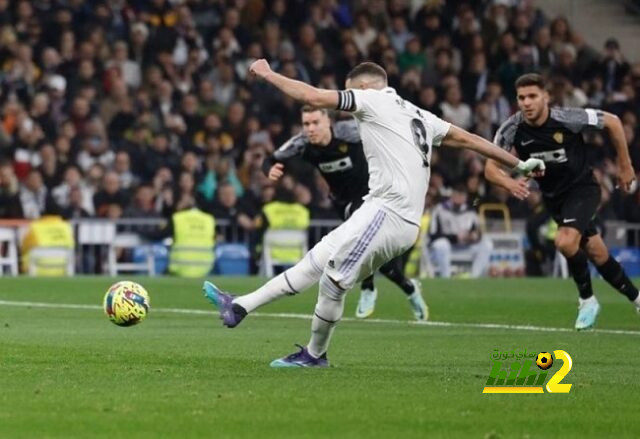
459	187
312	109
529	79
368	68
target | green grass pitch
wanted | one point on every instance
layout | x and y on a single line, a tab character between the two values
69	373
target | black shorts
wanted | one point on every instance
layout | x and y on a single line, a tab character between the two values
576	208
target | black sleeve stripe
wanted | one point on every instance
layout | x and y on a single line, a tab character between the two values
346	100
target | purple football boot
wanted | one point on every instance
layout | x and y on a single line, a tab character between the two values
230	313
302	358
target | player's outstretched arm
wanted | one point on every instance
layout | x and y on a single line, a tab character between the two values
297	90
457	137
626	176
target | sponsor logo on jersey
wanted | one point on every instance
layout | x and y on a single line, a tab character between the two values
555	156
558	137
339	165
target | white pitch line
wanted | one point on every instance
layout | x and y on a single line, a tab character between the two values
344	319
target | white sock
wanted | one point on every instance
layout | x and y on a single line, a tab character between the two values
637	301
328	312
293	281
590	299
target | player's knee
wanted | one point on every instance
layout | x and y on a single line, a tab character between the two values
331	288
567	241
597	252
599	257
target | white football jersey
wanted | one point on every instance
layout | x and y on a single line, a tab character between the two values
397	138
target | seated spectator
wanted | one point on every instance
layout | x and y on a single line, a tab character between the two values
454	228
49	167
110	194
454	110
142	205
163	189
95	147
160	155
127	69
122	167
33	195
75	209
39	112
73	179
186	191
10	205
229	207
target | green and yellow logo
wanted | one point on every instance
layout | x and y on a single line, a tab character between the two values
519	375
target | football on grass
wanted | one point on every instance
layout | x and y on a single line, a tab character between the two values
126	303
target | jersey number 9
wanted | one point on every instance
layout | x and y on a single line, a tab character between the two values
420	139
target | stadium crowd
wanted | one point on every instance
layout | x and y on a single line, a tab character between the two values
132	108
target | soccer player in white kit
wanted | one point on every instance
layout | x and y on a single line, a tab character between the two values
397	138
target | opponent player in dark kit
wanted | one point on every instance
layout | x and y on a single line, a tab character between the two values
569	189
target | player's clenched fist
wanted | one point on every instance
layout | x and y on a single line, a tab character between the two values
260	68
627	179
276	172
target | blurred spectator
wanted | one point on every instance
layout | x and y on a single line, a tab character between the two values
33	195
39	112
413	56
613	66
95	146
125	68
122	167
159	155
500	108
75	209
363	33
142	205
73	181
454	228
454	110
229	207
49	168
111	198
10	204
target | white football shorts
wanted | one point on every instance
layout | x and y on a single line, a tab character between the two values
372	236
